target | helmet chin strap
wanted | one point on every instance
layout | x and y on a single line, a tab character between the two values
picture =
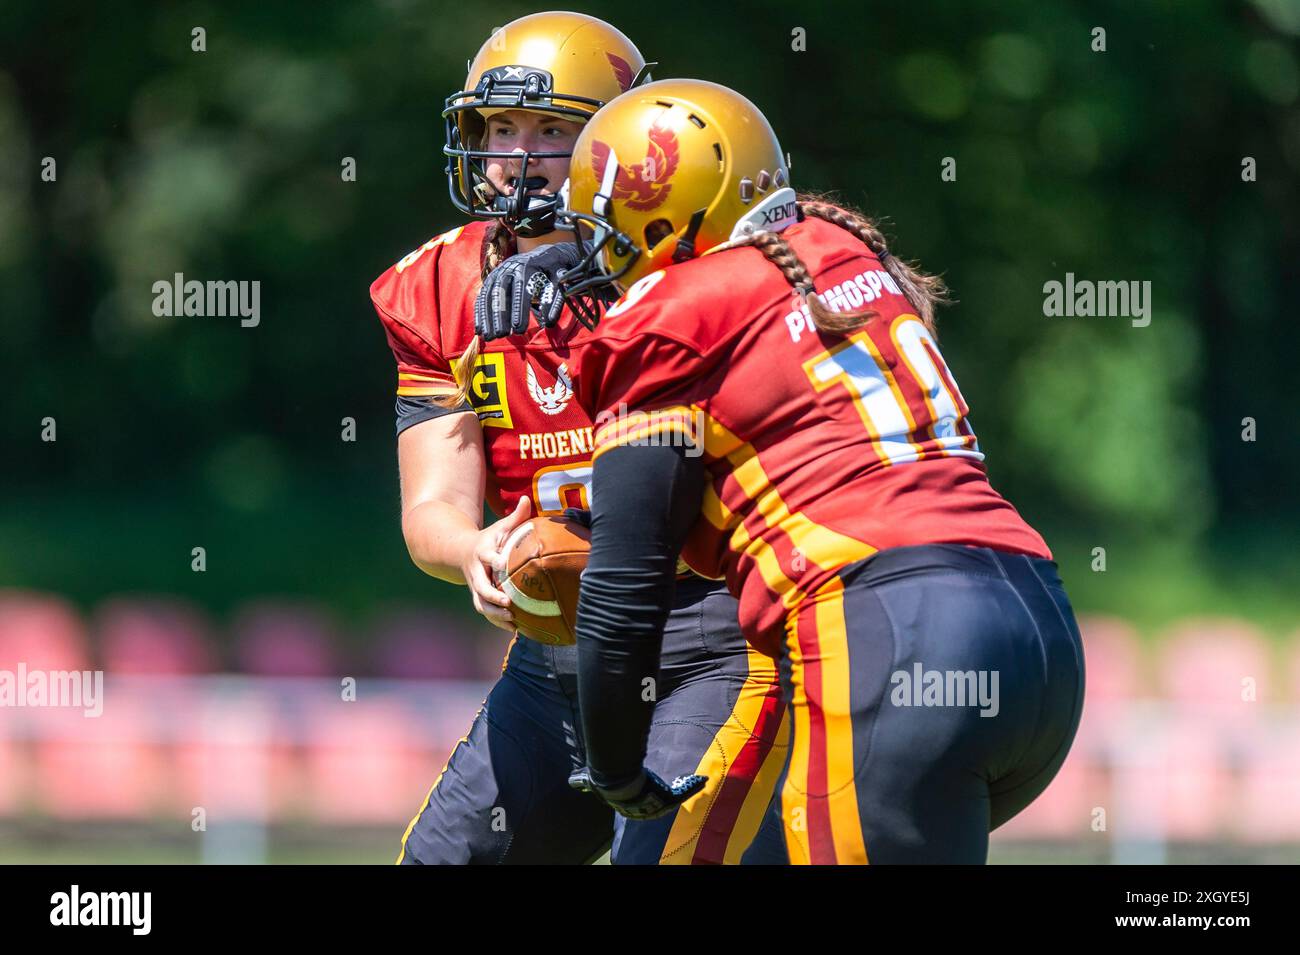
772	214
518	206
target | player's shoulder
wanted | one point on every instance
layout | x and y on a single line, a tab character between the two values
699	302
416	293
823	245
446	260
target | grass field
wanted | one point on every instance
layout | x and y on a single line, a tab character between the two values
46	842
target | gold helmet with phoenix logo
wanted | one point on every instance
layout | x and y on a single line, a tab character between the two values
666	172
565	64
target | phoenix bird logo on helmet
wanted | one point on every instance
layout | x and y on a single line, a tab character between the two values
642	186
713	174
623	71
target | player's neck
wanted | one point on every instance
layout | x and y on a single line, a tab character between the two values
527	245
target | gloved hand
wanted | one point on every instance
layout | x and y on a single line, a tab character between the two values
523	284
647	797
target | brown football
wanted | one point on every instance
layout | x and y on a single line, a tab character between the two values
544	561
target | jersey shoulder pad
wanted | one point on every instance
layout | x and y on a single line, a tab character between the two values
700	303
823	246
425	300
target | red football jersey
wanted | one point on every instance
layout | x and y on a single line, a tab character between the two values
823	449
536	437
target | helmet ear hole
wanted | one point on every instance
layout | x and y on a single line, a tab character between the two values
657	231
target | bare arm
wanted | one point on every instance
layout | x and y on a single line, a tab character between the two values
443	475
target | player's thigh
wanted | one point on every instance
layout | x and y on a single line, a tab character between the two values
1015	786
857	788
984	692
901	715
721	716
504	797
769	845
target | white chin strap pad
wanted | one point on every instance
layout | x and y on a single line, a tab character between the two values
772	214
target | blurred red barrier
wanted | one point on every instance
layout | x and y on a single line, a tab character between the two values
286	638
154	636
42	632
1183	739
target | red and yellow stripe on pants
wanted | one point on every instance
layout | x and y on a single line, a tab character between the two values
819	797
743	763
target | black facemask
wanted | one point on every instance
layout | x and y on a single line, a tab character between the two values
526	213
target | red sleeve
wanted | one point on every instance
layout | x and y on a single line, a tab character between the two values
407	298
644	372
640	374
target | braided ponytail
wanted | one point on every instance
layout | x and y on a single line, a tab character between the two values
922	291
498	245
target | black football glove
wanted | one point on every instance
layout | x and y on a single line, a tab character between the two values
523	284
647	797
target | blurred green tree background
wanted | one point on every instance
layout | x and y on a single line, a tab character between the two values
1119	165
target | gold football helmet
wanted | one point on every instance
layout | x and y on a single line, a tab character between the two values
667	172
567	64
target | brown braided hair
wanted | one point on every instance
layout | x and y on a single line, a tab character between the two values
923	291
498	245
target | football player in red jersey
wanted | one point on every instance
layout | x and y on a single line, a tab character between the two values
771	404
491	417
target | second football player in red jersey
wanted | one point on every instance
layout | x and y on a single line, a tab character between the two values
770	402
497	422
